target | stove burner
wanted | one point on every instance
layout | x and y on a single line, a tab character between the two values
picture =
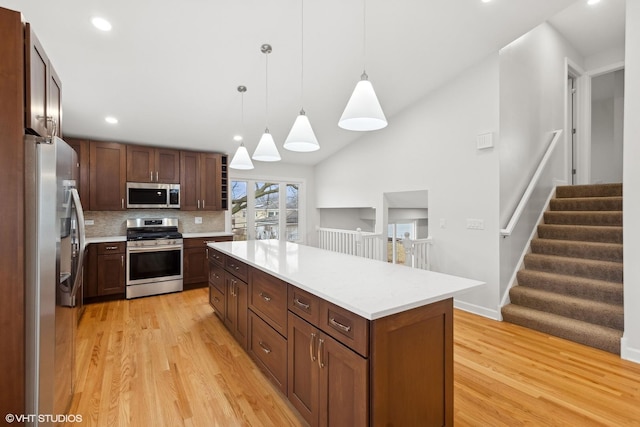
152	229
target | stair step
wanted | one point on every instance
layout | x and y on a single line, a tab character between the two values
613	203
577	249
598	313
583	217
596	190
594	269
592	233
596	336
581	287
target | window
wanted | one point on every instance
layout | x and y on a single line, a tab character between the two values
263	209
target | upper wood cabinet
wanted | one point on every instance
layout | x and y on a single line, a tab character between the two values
43	90
107	170
81	146
203	181
149	164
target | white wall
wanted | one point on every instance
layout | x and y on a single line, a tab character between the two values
279	171
607	108
348	218
432	146
532	92
631	188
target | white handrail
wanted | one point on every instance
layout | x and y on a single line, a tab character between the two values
532	185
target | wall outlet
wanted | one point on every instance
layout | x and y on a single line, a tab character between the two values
198	220
475	224
88	222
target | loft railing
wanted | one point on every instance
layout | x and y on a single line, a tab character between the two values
524	200
371	245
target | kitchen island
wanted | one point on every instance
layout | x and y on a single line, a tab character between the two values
348	340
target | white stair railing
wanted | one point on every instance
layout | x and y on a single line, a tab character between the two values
422	253
358	242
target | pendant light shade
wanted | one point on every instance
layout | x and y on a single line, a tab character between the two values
266	151
363	111
241	159
301	137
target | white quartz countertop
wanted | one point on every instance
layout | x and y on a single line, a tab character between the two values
372	289
105	239
207	234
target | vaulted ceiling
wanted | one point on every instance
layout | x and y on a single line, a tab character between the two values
169	70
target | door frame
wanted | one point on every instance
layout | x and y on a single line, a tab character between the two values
577	155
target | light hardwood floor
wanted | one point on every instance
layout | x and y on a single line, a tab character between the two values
168	361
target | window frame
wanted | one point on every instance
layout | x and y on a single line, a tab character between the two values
282	205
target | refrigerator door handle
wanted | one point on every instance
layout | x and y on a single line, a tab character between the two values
81	236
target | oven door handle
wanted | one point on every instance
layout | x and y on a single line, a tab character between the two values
154	248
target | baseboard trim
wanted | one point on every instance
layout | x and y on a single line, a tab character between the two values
479	310
629	353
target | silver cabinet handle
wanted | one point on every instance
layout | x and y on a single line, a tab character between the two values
265	297
198	203
320	351
312	346
156	176
122	260
202	203
122	203
264	347
337	324
216	299
151	176
299	303
207	252
110	248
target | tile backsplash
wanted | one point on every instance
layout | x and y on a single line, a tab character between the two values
114	223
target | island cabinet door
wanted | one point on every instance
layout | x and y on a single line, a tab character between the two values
235	317
303	369
328	382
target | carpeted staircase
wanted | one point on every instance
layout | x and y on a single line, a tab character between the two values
571	283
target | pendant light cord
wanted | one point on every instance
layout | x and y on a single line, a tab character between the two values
266	90
364	35
302	56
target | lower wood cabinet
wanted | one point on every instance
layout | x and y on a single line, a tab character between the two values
334	366
195	261
105	269
328	382
235	317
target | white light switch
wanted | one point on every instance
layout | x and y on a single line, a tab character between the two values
198	220
475	224
484	141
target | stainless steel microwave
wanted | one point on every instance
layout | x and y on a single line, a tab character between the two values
148	195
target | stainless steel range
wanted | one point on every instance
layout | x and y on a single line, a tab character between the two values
154	257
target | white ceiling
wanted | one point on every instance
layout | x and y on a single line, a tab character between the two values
169	70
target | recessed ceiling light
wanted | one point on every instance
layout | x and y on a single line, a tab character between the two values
486	1
101	24
237	138
592	2
111	120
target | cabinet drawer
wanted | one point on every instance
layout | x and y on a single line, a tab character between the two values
216	276
305	305
194	242
111	248
216	299
268	298
269	350
237	268
346	327
216	256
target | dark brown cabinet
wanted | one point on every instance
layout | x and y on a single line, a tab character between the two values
149	164
107	176
195	263
81	146
105	269
236	315
328	382
203	181
43	90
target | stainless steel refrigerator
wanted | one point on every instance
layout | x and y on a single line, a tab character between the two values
54	227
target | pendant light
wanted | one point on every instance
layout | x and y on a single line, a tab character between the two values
266	151
301	137
241	159
363	111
